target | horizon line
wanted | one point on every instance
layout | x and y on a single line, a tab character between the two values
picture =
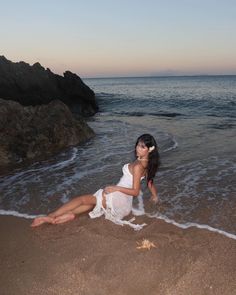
161	76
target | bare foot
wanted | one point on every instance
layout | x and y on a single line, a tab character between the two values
41	220
64	218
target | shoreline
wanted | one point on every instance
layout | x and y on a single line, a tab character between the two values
160	217
88	256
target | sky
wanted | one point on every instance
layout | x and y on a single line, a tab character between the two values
108	38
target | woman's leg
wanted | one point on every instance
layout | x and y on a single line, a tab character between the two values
74	203
67	211
71	214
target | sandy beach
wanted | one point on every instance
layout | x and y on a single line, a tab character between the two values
98	257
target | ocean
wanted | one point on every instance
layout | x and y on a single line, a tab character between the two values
194	122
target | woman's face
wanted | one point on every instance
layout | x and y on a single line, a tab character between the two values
141	149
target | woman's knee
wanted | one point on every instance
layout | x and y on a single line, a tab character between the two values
88	200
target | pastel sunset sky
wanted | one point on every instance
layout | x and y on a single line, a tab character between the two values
108	38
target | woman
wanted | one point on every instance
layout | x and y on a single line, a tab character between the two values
114	201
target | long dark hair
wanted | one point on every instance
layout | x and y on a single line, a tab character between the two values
153	156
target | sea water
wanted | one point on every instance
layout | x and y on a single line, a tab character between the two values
194	122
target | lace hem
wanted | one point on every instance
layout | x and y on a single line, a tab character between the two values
110	214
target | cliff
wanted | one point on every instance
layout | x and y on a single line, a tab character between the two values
41	113
33	133
34	85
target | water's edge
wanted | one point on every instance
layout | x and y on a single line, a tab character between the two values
157	216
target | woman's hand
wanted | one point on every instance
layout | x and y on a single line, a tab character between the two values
154	199
110	189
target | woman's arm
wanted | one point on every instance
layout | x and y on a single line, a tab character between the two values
153	190
134	191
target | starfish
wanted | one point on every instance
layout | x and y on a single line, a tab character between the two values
145	244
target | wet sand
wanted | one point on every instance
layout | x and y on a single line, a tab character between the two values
97	257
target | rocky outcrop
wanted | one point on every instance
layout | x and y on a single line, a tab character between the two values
31	133
33	85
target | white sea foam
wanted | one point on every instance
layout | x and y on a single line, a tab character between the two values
137	212
41	169
17	214
174	146
64	198
192	224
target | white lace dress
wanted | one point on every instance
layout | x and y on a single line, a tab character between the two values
118	204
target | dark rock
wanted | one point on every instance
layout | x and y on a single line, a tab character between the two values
33	85
29	133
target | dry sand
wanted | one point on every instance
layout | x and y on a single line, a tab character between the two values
98	257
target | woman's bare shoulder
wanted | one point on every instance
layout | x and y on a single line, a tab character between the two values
137	167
